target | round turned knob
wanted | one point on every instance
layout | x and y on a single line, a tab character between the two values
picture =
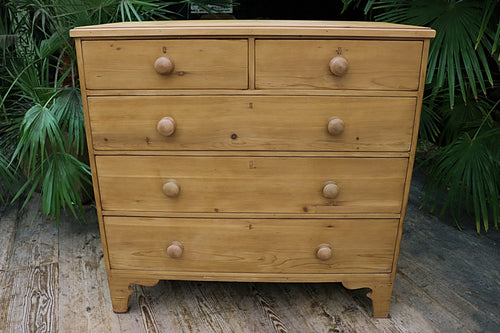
335	126
339	66
175	249
163	65
171	188
331	190
324	252
166	126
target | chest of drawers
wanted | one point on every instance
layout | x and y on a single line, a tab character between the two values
273	151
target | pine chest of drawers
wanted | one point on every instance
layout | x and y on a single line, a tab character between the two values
274	151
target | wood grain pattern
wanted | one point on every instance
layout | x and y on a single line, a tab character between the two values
267	92
83	290
332	307
29	303
210	276
148	314
153	308
402	318
204	308
8	227
120	289
274	318
199	64
251	184
254	28
28	249
242	295
29	280
141	243
377	65
454	317
252	123
255	153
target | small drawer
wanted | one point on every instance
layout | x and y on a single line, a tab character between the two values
251	245
252	123
308	185
337	64
166	64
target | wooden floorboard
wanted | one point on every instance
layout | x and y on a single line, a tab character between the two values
54	280
460	271
83	289
8	228
328	307
244	297
28	299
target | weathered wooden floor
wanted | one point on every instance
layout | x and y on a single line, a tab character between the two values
54	281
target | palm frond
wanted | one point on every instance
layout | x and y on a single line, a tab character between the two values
358	3
472	161
55	42
68	113
430	120
39	124
8	178
60	177
465	117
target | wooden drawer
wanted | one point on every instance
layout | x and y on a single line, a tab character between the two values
251	184
251	245
304	64
252	123
198	64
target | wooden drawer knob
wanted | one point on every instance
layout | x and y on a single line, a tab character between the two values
339	66
175	249
331	190
163	65
335	126
324	252
171	188
166	126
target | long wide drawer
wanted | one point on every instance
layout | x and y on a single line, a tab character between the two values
356	64
194	64
251	184
252	123
251	245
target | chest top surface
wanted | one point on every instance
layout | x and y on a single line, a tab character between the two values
255	28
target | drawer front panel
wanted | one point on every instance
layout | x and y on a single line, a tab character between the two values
251	245
197	64
252	123
305	64
251	184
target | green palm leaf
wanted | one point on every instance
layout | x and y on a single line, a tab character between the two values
38	125
61	177
429	121
8	178
469	159
68	113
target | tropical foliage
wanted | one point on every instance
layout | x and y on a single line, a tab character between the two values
42	141
463	133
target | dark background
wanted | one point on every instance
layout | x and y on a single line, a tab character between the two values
290	10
